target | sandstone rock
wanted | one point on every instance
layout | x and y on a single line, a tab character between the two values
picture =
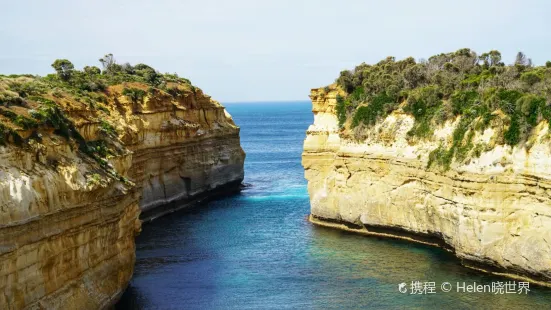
492	211
67	223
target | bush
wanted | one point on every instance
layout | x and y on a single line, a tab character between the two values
423	100
93	179
64	69
27	89
508	100
99	148
9	98
25	122
441	157
107	128
369	114
134	94
530	78
512	135
92	70
530	106
341	110
463	101
52	116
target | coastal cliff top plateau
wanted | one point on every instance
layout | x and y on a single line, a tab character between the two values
480	100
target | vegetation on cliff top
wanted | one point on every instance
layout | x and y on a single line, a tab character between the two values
475	87
35	105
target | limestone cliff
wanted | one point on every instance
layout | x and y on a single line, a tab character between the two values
492	210
75	169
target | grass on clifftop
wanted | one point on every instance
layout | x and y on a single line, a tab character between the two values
28	102
31	106
444	87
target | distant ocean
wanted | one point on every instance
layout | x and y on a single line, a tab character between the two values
256	250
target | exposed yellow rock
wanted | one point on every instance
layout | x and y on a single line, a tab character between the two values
67	225
493	210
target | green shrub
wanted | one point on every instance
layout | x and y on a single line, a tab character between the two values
375	109
64	69
530	106
508	99
512	135
441	157
27	89
341	110
8	114
93	179
530	78
99	148
92	70
474	80
25	122
50	115
87	86
10	98
107	128
463	100
423	104
134	94
546	113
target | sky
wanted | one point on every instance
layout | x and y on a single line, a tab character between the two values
263	50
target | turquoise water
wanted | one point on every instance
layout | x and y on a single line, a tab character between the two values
256	250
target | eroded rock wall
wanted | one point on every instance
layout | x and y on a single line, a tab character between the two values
68	219
66	239
184	147
493	211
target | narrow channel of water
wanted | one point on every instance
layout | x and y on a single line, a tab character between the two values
256	250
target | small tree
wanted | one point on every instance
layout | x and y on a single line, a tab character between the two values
64	68
92	70
148	73
345	81
107	62
492	58
548	64
495	57
521	59
127	68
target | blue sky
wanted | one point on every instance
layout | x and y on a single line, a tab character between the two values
252	50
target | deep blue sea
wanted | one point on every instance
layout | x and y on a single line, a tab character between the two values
256	250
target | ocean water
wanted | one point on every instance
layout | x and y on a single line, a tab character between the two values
256	249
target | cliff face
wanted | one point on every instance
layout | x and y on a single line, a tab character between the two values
69	208
183	146
493	211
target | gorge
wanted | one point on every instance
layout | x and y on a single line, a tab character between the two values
449	152
83	153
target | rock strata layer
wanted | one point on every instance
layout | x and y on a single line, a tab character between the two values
68	220
492	211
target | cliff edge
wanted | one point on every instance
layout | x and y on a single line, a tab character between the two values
461	183
82	154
